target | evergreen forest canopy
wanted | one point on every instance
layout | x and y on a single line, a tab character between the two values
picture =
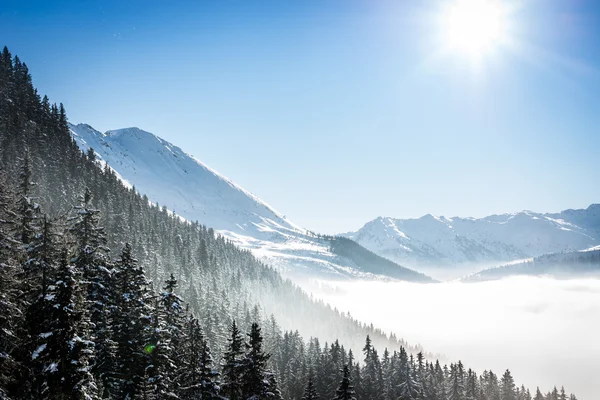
194	318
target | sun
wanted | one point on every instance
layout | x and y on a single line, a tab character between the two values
474	27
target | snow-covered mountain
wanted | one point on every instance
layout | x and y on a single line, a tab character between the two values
182	183
431	241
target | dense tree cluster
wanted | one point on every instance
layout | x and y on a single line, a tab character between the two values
195	318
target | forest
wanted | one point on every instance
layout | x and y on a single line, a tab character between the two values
104	294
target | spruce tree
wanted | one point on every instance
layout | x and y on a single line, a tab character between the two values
310	392
345	390
254	373
27	210
164	342
130	324
370	388
40	273
408	388
91	257
196	378
67	354
233	364
507	387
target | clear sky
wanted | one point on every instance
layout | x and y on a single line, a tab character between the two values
336	112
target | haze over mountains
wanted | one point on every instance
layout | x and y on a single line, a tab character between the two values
177	180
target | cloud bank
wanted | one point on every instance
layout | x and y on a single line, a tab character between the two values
544	330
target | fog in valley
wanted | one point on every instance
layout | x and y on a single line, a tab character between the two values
544	330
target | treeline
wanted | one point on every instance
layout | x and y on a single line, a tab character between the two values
77	321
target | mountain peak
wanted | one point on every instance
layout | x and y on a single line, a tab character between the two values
131	131
594	208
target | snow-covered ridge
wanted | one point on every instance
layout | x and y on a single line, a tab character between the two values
171	177
439	241
185	185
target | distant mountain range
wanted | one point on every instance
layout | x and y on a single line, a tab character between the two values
169	176
440	242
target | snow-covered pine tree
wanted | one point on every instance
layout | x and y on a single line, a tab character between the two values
345	390
196	378
7	217
254	370
369	372
10	313
456	389
233	364
208	374
39	275
91	258
67	353
131	322
273	392
507	387
163	344
408	388
11	369
471	386
310	392
27	210
562	395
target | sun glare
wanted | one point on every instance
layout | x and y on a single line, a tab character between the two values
474	26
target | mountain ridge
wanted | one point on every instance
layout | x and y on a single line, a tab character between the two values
196	192
431	241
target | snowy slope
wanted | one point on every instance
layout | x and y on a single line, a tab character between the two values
177	180
438	241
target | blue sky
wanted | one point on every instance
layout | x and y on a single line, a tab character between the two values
336	112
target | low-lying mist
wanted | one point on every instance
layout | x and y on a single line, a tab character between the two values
544	330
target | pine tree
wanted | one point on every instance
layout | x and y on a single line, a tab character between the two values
254	373
345	391
196	378
91	258
11	370
371	374
408	387
130	324
67	354
209	377
310	392
40	272
562	395
233	365
471	386
164	342
507	387
27	210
